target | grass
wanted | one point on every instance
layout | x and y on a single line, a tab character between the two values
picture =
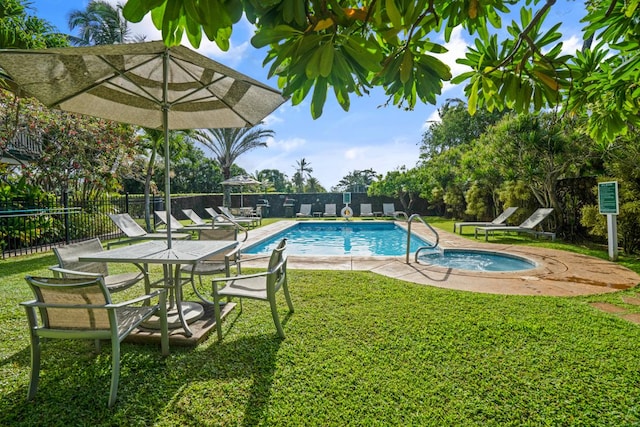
361	349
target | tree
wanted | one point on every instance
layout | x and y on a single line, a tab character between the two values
302	168
313	186
539	151
401	184
79	153
354	45
277	181
356	181
20	30
230	143
100	23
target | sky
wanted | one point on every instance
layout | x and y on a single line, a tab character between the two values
368	136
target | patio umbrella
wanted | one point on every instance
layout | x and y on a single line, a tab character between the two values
144	84
241	180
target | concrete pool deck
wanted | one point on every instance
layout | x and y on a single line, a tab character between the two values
558	273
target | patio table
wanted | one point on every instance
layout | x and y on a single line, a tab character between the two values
156	252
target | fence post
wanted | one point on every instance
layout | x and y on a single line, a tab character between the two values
126	202
65	204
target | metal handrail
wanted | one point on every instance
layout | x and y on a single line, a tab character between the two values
237	225
409	221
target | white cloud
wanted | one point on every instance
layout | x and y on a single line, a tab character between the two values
570	46
456	48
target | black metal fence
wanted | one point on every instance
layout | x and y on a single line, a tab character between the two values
28	228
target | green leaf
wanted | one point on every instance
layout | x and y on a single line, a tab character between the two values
319	97
134	10
312	69
406	67
326	59
473	98
265	36
393	13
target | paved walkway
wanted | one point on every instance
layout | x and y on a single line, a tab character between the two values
559	273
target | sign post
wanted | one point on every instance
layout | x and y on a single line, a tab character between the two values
609	206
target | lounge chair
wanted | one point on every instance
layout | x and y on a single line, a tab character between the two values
365	210
194	217
251	221
82	309
527	226
499	220
330	210
389	209
260	286
70	267
177	225
134	232
220	220
305	210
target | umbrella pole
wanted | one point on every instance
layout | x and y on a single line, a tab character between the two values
165	126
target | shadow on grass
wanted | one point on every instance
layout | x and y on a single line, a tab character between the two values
74	382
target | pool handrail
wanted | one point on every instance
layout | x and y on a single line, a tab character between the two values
433	246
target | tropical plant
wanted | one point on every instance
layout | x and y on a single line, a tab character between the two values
21	30
354	45
303	172
227	144
99	24
356	181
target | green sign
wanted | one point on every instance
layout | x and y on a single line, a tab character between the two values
608	197
346	198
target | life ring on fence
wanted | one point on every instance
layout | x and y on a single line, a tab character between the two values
346	212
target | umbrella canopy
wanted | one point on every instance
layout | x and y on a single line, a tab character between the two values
144	84
241	180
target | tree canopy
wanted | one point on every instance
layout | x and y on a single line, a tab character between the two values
352	46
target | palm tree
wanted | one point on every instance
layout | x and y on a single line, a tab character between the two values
228	144
99	24
302	167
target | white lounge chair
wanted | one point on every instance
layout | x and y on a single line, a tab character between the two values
365	210
251	221
330	209
177	225
389	209
194	217
499	220
134	232
305	210
527	226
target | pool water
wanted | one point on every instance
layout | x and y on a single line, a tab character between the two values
352	238
475	260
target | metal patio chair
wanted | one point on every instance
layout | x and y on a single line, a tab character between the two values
260	286
82	309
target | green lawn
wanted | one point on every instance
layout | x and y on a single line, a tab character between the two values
361	349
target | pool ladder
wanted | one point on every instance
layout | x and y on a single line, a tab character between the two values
421	248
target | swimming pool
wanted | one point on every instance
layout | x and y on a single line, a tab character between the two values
348	238
475	260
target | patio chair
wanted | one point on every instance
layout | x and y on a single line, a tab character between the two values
365	210
389	209
260	286
220	263
134	232
70	267
305	210
329	209
527	226
499	220
251	221
194	217
82	309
